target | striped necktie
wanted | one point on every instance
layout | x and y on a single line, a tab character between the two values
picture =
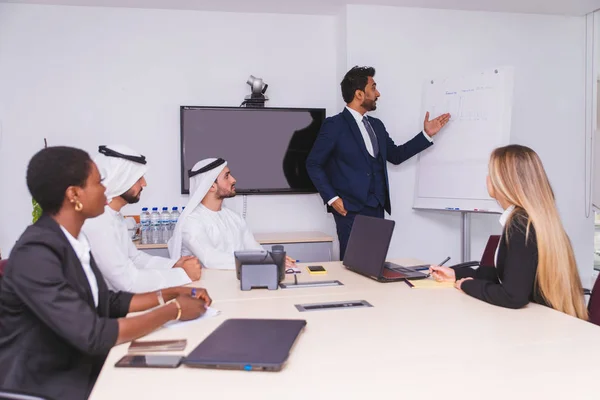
372	135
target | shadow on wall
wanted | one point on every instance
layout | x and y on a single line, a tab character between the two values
294	161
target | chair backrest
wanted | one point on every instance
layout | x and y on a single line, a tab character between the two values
488	256
594	304
2	266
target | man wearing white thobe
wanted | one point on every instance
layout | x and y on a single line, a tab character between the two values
123	266
207	229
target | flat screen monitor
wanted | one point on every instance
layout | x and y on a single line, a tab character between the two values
265	148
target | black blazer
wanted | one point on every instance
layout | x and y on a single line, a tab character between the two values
512	283
339	164
53	341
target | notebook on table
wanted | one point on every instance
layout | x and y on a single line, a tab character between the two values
144	346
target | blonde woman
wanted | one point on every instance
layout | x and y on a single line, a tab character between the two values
534	260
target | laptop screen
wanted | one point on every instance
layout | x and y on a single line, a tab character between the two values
368	245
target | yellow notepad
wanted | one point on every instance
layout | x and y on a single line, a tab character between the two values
429	284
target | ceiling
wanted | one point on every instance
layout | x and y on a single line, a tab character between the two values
560	7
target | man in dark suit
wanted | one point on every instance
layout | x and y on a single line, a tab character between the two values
347	163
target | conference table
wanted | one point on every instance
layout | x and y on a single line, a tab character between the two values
413	343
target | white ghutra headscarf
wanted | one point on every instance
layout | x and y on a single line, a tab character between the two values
120	168
202	176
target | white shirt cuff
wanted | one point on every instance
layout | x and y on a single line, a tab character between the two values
330	202
180	278
427	137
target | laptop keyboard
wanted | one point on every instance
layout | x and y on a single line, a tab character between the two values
399	268
390	274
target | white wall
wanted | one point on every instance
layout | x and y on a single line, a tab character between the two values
594	105
88	76
408	46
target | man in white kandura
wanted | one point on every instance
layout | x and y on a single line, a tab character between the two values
208	229
123	266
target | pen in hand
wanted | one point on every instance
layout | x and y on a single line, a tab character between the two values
444	262
427	267
439	265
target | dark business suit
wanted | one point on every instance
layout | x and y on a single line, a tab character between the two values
340	165
53	340
512	283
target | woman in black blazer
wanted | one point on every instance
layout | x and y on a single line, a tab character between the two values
534	259
58	320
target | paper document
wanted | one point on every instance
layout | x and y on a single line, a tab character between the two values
210	312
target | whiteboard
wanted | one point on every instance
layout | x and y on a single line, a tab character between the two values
451	175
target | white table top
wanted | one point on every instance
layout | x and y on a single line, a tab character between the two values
412	344
224	285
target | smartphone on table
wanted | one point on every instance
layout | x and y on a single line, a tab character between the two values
149	361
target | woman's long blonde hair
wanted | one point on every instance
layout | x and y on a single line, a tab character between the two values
517	174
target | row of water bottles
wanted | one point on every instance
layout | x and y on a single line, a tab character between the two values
157	228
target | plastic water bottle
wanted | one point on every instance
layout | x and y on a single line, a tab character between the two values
155	226
174	218
145	225
165	225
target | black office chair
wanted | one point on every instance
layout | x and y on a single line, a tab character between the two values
487	259
12	395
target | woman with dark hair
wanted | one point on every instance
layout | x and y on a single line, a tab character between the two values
58	320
